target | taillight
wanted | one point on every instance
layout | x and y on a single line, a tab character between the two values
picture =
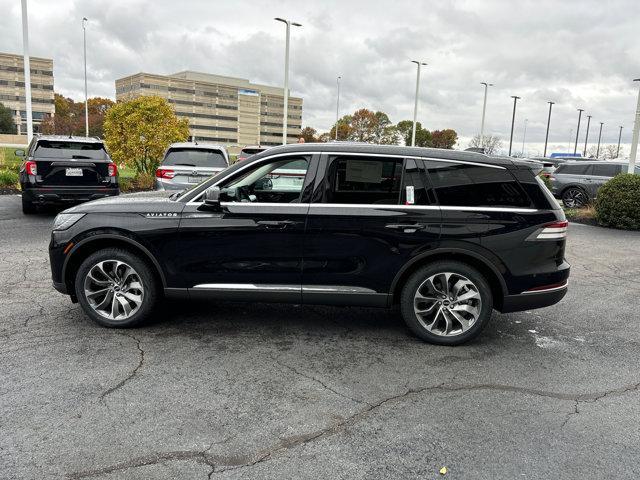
31	168
552	231
112	168
546	174
165	173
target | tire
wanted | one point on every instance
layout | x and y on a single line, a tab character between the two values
138	288
574	197
464	321
28	207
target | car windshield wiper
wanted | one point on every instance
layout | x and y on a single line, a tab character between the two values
185	164
176	195
80	157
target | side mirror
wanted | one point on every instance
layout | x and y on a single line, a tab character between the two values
19	153
212	199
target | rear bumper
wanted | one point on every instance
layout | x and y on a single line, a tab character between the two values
66	195
534	299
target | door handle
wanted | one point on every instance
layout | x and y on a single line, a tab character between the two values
406	227
275	224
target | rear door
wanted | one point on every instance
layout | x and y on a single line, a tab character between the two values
601	173
68	163
369	216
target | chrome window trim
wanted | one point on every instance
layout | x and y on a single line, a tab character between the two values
194	201
424	207
264	204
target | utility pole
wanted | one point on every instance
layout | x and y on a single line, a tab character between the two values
599	137
415	106
513	119
27	70
546	138
586	137
338	106
575	148
86	97
285	112
484	110
619	138
636	133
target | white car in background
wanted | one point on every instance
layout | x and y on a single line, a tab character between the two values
189	163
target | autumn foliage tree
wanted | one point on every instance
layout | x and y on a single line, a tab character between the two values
69	116
138	131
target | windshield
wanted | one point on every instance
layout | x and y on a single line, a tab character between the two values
193	157
70	149
250	151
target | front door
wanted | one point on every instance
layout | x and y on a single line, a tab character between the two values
370	216
252	248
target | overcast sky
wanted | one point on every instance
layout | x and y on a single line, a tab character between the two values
580	54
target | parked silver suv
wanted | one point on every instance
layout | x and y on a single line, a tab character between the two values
577	183
187	164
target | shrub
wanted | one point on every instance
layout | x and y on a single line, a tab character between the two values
618	202
145	181
8	178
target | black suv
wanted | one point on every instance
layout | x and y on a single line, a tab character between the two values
66	170
446	235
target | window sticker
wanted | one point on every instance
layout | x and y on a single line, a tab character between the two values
411	198
363	171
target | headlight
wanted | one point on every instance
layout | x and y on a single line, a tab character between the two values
66	220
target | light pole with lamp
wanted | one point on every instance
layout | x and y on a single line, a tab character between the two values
285	111
513	120
338	106
546	138
415	106
484	110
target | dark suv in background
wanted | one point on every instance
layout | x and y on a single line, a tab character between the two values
577	183
448	236
60	170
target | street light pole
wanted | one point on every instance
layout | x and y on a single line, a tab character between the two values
513	119
524	136
599	137
619	138
86	97
636	134
546	138
338	106
484	110
415	106
27	70
575	148
586	137
285	111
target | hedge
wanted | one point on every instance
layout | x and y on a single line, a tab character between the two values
618	202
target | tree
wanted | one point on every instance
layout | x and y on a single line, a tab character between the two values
138	131
309	134
344	129
69	116
7	125
444	138
611	151
405	131
491	143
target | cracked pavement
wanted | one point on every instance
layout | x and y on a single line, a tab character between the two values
234	391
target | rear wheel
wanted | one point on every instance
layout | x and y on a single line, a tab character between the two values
28	207
116	288
446	303
574	197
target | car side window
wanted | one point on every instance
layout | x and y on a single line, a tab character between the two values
363	180
604	170
414	185
466	185
278	181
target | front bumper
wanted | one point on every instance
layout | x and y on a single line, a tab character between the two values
67	195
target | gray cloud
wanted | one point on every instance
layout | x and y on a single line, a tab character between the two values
578	54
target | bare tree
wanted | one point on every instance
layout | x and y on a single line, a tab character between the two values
610	151
490	143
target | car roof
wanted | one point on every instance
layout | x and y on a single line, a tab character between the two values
72	138
201	146
597	162
368	148
254	147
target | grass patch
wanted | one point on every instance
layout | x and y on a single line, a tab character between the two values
8	179
9	160
586	214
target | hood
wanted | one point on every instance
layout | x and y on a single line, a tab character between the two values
140	202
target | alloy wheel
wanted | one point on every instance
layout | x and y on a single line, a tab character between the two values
113	289
447	304
574	197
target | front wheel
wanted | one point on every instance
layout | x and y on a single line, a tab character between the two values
574	197
116	288
446	303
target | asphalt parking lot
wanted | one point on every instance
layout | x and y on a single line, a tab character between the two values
225	390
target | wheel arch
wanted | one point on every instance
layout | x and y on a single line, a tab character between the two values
473	259
98	241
